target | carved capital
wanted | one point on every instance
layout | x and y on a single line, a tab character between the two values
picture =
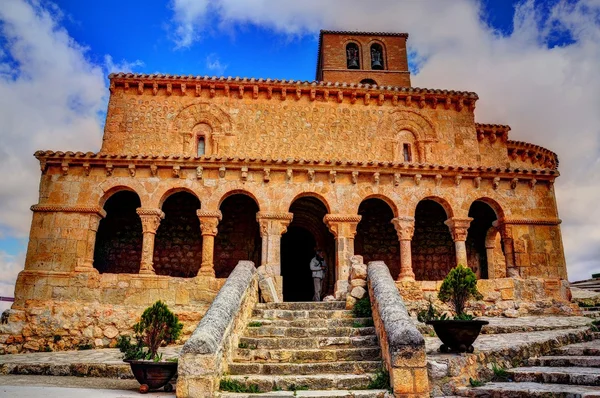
150	219
342	225
209	220
458	227
405	227
273	223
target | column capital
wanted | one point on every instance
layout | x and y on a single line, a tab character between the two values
273	223
405	227
209	220
459	227
150	219
342	225
504	228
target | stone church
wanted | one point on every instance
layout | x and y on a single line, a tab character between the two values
196	173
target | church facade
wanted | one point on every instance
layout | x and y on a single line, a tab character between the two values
196	173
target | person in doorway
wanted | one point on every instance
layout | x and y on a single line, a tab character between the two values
318	267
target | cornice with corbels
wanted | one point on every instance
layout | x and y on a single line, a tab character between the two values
265	167
533	153
294	90
492	132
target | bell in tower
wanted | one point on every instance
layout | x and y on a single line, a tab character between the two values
352	56
376	57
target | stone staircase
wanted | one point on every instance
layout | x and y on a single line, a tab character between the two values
592	285
306	349
573	371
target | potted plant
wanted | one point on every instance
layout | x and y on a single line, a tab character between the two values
459	333
157	326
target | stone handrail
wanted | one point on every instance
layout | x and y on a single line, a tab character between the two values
402	345
205	354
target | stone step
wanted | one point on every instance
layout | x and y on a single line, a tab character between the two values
282	331
589	348
314	322
529	390
351	367
557	375
306	305
307	342
302	356
562	361
311	394
591	314
117	370
306	382
301	314
594	309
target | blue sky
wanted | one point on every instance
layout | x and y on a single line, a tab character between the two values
533	64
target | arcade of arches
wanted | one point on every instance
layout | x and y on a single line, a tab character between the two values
181	239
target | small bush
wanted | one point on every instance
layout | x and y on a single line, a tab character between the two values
362	308
227	384
242	345
475	382
458	287
255	324
429	314
500	374
157	326
381	381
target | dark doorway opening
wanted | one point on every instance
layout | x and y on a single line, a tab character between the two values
306	232
483	217
297	249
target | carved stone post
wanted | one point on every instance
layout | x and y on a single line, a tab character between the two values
86	263
405	228
458	228
208	227
272	226
150	222
509	249
343	227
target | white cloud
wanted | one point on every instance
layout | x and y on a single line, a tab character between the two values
213	63
188	14
550	97
10	266
123	66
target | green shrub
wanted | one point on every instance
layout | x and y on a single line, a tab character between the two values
475	382
381	381
255	324
458	287
430	314
362	308
500	374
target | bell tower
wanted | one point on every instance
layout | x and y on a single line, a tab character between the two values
363	57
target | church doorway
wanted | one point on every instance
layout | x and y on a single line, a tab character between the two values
484	245
306	233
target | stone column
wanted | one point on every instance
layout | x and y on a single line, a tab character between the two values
150	222
272	226
343	227
405	228
509	249
86	263
208	227
458	228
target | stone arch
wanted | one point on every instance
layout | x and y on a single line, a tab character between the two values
182	126
432	248
347	45
496	207
305	233
118	246
374	43
442	202
376	238
238	236
422	129
112	187
178	241
383	198
478	236
171	191
312	194
232	192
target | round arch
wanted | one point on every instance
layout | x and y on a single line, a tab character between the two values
112	189
171	191
376	42
481	237
383	198
320	197
495	206
359	48
440	201
233	192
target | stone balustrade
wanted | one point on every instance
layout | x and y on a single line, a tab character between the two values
402	346
205	355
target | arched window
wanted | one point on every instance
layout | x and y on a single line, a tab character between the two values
377	57
352	56
202	134
406	150
201	146
368	81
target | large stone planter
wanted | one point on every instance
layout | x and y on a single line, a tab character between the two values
457	336
153	375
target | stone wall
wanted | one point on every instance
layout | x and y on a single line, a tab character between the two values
178	242
61	311
433	252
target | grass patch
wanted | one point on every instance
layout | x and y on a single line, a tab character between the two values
293	387
475	382
56	338
500	374
174	360
85	346
255	324
381	381
227	384
363	324
362	308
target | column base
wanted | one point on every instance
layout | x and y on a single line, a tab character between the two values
206	271
88	270
147	272
406	277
